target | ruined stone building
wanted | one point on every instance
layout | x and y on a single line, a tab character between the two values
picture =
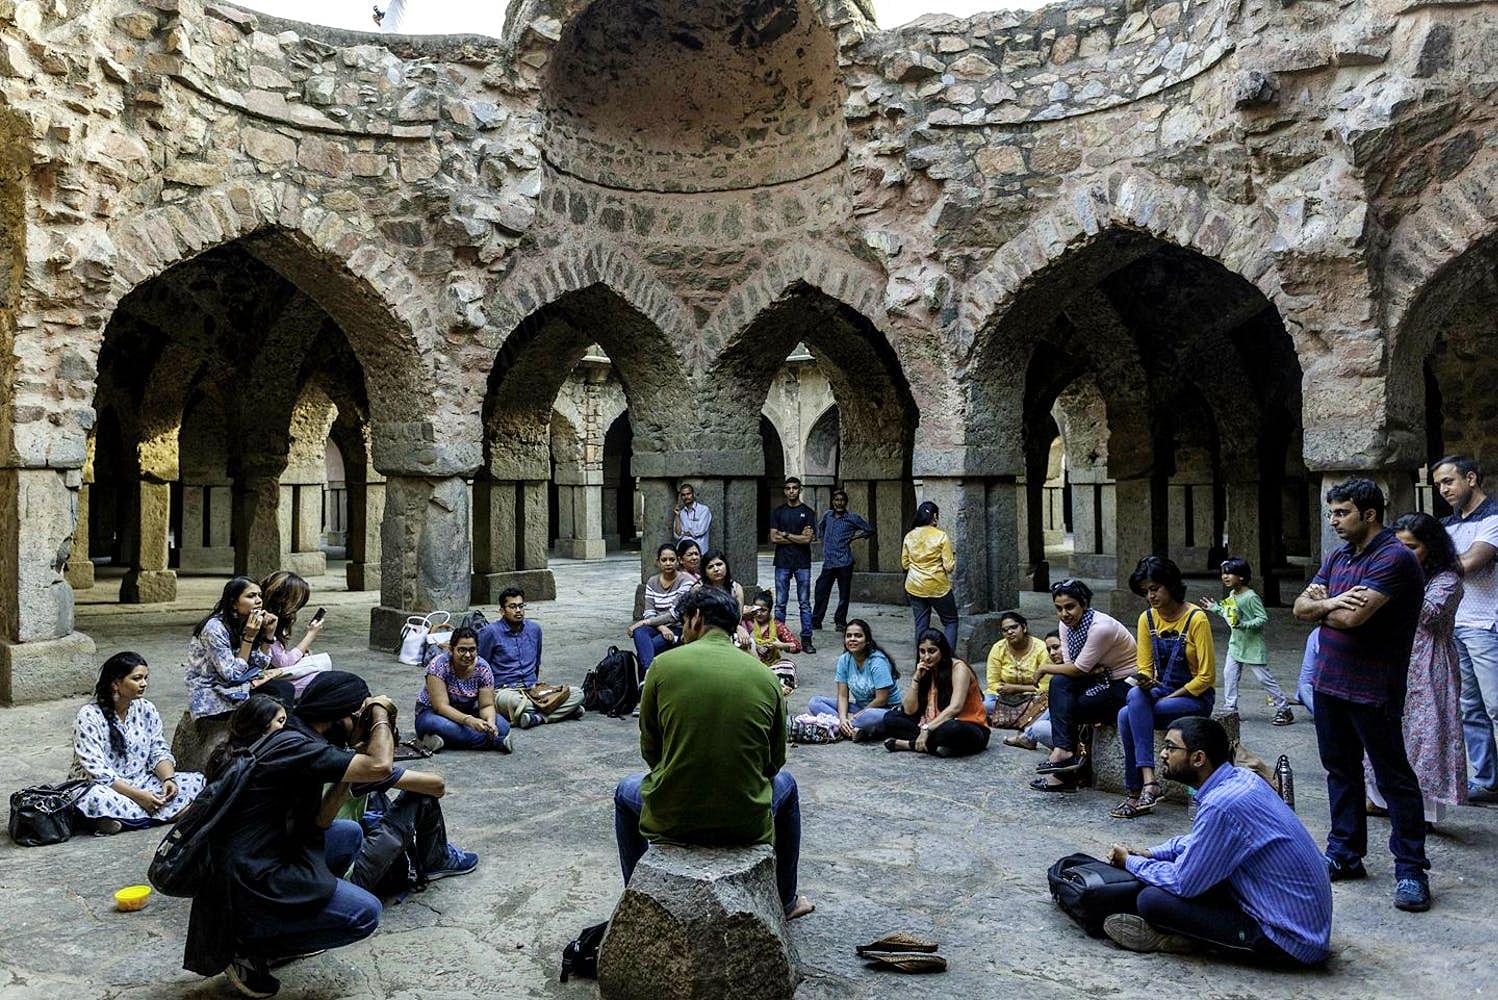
1223	249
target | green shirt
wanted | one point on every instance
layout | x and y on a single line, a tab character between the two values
1245	615
712	729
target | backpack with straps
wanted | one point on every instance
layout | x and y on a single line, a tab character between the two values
184	858
613	687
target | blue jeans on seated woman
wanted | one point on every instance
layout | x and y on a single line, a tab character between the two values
456	736
1144	711
649	643
869	720
785	806
351	915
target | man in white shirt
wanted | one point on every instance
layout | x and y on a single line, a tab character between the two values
691	519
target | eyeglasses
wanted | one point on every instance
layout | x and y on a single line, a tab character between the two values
465	652
1170	747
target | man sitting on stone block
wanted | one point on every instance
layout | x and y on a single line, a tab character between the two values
713	730
1248	880
512	648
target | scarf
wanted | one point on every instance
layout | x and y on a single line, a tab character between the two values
1077	638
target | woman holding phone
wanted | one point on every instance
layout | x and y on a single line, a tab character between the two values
285	594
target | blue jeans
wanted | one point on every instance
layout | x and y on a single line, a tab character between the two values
351	915
1477	650
649	643
1144	711
785	804
1303	690
456	736
1345	730
867	719
803	593
945	607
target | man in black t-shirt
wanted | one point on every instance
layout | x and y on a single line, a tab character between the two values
792	530
275	891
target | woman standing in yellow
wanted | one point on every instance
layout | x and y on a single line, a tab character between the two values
926	556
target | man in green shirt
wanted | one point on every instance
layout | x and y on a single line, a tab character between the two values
713	730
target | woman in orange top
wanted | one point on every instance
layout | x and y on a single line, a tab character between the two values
942	712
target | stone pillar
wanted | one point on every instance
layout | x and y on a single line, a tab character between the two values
425	553
1135	524
149	581
580	525
80	572
510	539
304	518
1245	535
366	511
207	511
263	534
980	515
1094	525
657	498
40	654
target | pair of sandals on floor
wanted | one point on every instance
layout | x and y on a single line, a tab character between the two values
1140	803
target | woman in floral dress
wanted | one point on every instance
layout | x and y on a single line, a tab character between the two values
118	746
1432	716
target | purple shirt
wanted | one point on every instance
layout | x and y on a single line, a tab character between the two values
462	692
1370	664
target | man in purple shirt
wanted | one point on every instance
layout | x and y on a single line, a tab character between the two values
512	648
1366	598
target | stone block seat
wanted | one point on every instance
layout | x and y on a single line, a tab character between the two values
1108	758
699	923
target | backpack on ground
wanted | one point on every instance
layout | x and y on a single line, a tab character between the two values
184	859
613	687
1089	890
580	958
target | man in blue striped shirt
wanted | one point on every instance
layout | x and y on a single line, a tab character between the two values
1248	879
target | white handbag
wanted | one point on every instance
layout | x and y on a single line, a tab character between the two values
309	664
417	633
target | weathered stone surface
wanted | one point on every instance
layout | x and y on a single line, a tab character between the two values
47	668
697	923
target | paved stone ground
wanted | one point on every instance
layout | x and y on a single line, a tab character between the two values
953	849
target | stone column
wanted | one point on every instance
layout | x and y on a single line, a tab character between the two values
366	511
40	654
425	553
263	535
207	511
510	545
304	517
80	572
1135	524
149	581
1245	536
580	525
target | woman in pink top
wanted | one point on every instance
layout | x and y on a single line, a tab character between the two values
1097	653
285	593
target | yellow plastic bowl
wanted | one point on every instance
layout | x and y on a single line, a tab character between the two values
132	897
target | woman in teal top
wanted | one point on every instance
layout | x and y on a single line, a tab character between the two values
868	686
1244	612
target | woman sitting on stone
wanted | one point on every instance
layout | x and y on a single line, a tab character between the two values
942	712
660	628
456	706
229	653
284	594
1014	662
689	560
1088	685
119	747
770	640
1177	669
868	686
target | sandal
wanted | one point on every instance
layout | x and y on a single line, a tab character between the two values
1071	763
1016	740
899	941
1041	785
1139	806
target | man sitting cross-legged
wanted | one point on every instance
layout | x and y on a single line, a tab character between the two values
713	730
1247	880
512	648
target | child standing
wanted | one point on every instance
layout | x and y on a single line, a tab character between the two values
1244	612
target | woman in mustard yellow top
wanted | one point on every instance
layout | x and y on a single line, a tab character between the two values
1177	671
1013	664
926	556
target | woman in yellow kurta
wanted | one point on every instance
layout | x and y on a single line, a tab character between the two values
927	558
1013	663
1177	671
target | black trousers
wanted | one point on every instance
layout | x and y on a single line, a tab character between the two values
843	577
953	738
1216	920
1075	700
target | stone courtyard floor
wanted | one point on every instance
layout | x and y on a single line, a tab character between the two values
952	849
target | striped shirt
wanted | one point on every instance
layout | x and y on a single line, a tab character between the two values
1244	835
661	600
1369	664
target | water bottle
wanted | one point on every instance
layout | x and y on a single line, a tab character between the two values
1284	780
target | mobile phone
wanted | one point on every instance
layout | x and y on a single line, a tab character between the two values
320	612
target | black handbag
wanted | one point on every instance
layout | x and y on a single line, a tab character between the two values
43	814
1090	890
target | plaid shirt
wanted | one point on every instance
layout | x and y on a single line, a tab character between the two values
1369	664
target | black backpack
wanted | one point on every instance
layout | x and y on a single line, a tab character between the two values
184	858
613	687
1089	890
580	958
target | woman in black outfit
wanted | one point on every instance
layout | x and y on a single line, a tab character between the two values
942	713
